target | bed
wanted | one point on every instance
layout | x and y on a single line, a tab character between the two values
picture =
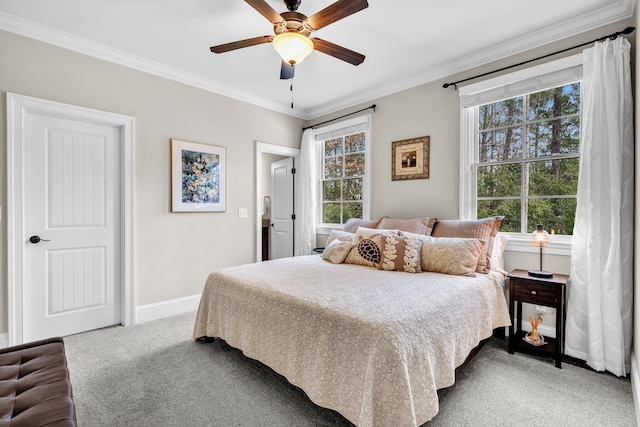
371	344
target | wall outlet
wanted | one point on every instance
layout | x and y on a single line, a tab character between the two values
541	309
243	213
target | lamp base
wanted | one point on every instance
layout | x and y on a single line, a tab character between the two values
540	273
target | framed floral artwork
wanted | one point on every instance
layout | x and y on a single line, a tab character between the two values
410	159
198	177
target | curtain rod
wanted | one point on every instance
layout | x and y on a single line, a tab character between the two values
613	36
372	107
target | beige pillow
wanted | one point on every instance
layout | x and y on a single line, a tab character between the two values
352	224
401	253
367	246
337	251
416	226
483	229
451	255
339	235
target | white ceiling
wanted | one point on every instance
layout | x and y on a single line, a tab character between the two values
405	43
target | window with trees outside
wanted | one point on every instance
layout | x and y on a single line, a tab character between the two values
343	174
528	160
521	150
343	167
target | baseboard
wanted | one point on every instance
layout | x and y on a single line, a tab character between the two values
635	387
160	310
149	312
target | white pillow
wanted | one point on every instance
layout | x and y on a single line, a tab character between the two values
497	253
336	251
339	235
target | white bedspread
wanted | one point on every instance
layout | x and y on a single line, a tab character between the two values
373	345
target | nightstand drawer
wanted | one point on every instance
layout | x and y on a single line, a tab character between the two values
534	293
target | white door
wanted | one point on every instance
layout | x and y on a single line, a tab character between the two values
282	209
72	220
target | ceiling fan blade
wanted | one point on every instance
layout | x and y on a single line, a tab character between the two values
336	51
287	70
335	12
221	48
265	10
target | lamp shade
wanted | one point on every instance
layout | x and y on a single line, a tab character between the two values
540	238
293	47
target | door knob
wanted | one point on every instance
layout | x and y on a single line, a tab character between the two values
37	239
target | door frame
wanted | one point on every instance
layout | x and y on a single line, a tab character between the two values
17	108
263	147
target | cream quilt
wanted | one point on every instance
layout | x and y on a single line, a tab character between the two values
373	345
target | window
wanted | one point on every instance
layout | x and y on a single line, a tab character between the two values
528	160
343	171
520	148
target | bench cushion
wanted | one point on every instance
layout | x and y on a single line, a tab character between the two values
35	389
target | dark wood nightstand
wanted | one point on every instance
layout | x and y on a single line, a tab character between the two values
539	291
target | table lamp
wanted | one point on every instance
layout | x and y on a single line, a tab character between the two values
540	239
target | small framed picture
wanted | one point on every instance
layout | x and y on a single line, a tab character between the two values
410	159
198	177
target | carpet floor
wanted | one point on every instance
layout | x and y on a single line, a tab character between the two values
153	374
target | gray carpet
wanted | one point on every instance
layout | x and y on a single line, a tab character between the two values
154	375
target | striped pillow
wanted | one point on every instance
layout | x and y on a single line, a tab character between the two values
483	229
417	226
352	224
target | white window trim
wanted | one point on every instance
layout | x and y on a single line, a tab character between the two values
324	228
518	242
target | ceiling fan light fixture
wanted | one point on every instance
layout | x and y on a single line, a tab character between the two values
293	47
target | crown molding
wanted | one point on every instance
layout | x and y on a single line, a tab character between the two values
623	9
45	34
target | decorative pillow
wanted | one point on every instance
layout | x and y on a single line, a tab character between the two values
337	251
451	255
497	253
483	229
416	226
352	224
339	235
401	253
367	246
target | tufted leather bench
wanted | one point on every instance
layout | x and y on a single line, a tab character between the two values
34	386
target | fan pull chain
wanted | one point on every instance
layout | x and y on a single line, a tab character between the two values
291	89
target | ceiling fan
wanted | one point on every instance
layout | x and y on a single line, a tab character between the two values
292	31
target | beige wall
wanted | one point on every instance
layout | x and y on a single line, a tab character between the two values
174	251
432	110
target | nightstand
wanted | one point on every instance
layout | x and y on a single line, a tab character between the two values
539	291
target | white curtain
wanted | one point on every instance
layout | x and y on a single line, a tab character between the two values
305	199
599	312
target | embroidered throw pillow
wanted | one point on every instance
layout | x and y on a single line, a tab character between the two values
337	251
367	246
451	255
401	253
483	229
